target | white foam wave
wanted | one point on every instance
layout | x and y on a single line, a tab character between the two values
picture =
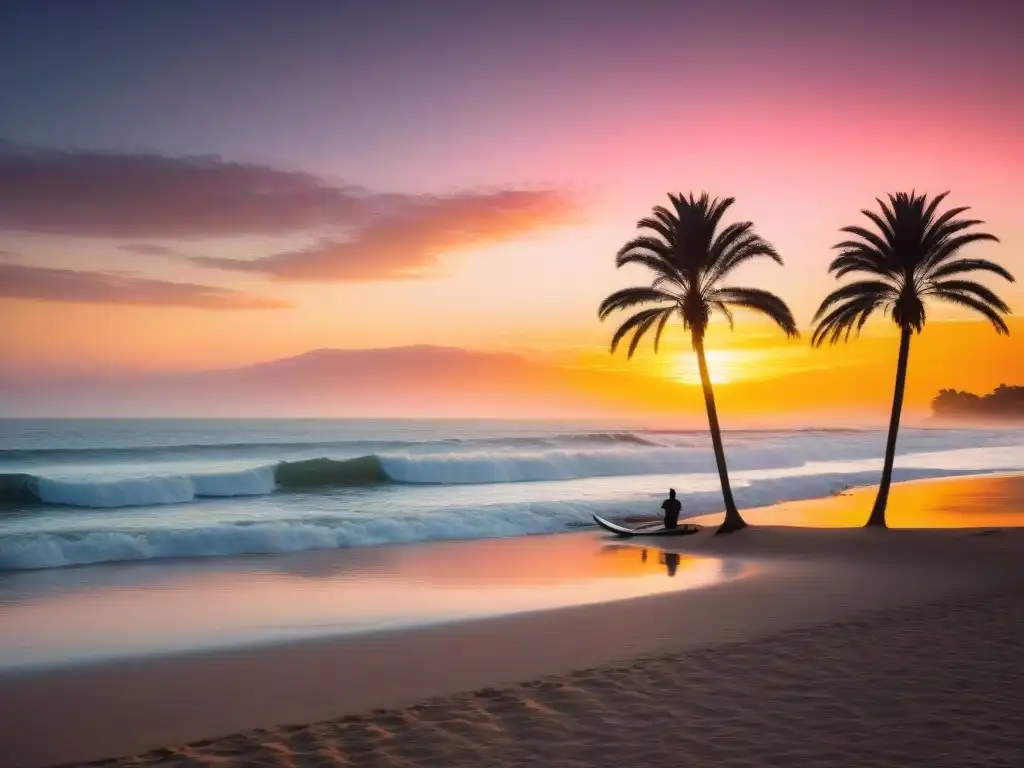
51	550
478	467
508	467
459	465
258	481
54	550
148	491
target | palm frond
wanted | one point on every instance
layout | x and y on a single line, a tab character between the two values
676	284
880	244
874	289
631	297
728	236
969	302
659	265
969	265
665	315
934	205
900	201
938	227
667	231
948	248
885	226
977	290
933	241
638	325
758	300
937	233
749	246
641	329
864	260
722	307
846	317
642	243
665	216
716	209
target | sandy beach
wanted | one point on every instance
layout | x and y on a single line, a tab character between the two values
838	647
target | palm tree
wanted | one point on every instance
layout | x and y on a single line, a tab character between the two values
690	258
912	256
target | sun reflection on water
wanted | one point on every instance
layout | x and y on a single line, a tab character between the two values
118	611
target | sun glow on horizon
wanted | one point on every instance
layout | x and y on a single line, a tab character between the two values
724	366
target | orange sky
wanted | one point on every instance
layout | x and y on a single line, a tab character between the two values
412	206
760	378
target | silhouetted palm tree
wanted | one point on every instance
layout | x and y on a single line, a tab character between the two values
913	255
689	258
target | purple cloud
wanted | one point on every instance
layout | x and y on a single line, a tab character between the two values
145	195
406	242
19	281
380	236
146	249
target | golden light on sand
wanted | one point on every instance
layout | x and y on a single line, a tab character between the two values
960	502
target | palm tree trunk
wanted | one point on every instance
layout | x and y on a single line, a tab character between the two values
733	520
877	519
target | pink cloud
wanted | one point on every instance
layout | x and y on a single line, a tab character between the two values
143	195
407	242
19	281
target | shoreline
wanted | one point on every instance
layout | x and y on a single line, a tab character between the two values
768	513
805	579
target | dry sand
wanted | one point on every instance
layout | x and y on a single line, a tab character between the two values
897	688
845	647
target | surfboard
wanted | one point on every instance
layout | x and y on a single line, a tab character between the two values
652	529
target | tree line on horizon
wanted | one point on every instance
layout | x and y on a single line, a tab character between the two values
908	255
1003	403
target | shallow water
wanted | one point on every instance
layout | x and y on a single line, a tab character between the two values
107	612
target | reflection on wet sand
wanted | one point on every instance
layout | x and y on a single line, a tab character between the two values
98	612
670	560
964	502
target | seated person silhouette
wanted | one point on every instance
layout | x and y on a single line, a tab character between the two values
672	508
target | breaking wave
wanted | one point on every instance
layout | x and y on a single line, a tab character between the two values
39	550
242	449
459	466
323	473
59	505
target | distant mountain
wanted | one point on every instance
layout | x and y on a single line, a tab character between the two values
397	381
1003	404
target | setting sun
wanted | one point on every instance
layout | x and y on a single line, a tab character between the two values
724	367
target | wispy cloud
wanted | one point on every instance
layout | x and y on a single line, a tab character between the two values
407	242
147	249
147	195
19	281
358	234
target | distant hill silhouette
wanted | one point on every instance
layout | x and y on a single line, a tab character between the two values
1004	403
413	380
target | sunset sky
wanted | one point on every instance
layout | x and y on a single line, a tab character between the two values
188	185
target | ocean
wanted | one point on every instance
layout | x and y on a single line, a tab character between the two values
74	492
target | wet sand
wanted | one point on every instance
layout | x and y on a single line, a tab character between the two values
843	647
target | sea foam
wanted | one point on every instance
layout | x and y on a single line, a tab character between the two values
53	550
466	465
